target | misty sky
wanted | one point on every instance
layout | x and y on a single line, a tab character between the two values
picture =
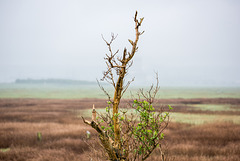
188	42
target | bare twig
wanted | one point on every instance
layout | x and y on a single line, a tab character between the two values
127	85
106	93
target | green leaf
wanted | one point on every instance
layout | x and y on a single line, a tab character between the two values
107	109
170	107
162	136
116	115
139	152
143	138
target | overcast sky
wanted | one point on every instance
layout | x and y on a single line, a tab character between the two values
188	42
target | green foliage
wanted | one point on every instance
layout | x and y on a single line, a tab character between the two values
141	124
148	131
170	107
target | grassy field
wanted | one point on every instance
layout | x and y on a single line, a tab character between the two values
205	123
195	133
189	118
214	107
12	90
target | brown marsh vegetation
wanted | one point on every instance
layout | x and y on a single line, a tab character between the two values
64	134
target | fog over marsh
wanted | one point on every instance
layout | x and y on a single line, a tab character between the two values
189	42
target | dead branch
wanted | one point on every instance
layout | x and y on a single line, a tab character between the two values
152	92
106	93
105	140
127	85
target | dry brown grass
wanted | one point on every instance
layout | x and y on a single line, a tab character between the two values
64	134
219	141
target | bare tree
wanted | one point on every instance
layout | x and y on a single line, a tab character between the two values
128	136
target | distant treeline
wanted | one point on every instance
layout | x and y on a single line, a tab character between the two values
53	81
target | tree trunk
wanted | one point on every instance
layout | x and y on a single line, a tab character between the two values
116	101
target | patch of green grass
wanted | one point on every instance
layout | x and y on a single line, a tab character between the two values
194	92
12	90
181	117
88	112
4	150
203	118
52	92
210	107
